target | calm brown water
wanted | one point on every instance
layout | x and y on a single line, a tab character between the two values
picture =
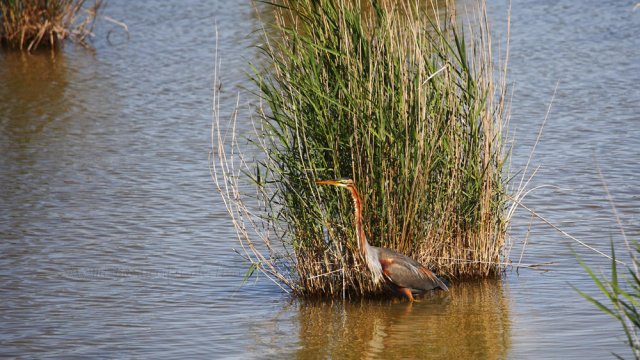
115	244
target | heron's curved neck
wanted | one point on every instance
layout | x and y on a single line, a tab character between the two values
357	205
368	252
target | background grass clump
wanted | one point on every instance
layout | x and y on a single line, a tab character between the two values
623	296
397	96
29	24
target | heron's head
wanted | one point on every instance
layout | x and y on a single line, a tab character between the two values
344	182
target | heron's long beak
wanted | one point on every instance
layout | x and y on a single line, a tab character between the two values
328	182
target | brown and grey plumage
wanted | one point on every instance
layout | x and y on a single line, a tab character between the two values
401	272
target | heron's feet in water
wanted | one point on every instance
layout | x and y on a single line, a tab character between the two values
407	293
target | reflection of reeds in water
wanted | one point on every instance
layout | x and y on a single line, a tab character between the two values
472	322
34	92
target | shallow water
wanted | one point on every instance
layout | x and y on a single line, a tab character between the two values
115	243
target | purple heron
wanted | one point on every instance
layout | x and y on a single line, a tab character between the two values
403	274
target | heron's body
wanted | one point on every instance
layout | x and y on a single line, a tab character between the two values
404	273
399	271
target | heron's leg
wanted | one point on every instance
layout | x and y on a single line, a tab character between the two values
406	292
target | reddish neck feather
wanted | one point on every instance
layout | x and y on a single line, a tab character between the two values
357	204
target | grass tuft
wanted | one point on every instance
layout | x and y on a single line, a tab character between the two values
623	296
30	24
398	96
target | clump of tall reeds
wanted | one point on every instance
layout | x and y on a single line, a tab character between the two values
395	95
29	24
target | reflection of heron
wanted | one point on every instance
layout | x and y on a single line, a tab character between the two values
401	272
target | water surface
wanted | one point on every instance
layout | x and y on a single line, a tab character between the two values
114	242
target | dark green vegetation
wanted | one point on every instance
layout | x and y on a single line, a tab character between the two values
29	24
399	98
624	297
